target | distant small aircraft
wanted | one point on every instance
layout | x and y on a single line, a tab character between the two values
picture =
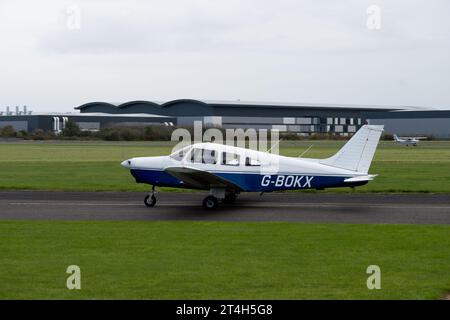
227	171
413	141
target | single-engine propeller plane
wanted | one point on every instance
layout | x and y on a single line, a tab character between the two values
408	141
227	171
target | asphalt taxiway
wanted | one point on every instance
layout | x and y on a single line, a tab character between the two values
301	207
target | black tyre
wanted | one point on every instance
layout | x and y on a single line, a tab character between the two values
210	203
150	201
230	198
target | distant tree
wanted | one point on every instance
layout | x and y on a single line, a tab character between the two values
71	130
7	131
22	134
157	133
109	134
39	134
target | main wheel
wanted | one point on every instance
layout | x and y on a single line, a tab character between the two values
230	198
150	201
210	203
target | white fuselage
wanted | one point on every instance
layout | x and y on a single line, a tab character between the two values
251	170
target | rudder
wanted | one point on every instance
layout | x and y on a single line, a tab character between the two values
357	154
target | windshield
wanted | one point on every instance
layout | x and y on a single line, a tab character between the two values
179	154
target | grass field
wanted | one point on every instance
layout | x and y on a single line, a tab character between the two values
200	260
94	166
217	260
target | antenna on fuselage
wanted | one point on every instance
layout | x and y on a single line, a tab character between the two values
274	145
309	148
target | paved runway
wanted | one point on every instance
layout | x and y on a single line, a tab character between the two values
305	207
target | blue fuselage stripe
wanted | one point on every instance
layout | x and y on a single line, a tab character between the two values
251	182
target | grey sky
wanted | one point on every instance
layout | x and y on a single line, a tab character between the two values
284	50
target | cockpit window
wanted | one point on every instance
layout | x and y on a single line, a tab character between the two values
205	156
230	159
249	162
209	156
179	154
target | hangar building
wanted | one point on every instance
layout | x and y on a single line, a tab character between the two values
86	121
301	118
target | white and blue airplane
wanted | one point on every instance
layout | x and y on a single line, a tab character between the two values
413	141
227	171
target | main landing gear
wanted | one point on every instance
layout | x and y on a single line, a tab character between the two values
211	202
230	198
150	199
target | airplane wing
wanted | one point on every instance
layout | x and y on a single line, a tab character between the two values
413	138
200	179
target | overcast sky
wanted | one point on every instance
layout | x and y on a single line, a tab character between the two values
55	55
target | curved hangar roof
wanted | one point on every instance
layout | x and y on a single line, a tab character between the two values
191	107
175	107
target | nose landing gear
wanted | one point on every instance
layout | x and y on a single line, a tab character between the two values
150	199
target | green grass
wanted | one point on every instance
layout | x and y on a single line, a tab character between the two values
217	260
94	166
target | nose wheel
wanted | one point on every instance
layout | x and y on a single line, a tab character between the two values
150	199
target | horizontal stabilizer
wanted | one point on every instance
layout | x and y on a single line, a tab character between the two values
369	177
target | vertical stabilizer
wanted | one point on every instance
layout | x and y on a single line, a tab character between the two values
358	152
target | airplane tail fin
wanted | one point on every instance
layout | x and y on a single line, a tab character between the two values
358	152
395	137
